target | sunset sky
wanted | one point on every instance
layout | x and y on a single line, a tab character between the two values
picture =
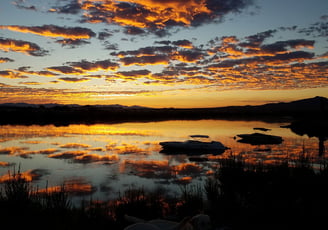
163	53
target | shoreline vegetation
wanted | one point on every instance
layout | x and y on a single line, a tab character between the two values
237	196
29	114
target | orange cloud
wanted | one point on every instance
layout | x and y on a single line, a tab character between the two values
184	44
187	56
72	33
22	47
183	11
30	83
142	14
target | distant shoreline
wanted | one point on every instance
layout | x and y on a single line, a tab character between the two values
28	114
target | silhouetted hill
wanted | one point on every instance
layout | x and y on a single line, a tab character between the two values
22	113
293	108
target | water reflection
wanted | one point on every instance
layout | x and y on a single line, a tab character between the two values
103	160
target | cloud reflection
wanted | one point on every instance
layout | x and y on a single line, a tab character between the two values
74	187
29	175
5	164
161	169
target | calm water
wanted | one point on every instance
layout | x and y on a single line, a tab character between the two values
99	161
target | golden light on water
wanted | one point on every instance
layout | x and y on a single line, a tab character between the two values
130	153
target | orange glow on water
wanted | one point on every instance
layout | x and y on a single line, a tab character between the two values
130	151
86	158
28	175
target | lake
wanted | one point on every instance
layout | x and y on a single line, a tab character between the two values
100	161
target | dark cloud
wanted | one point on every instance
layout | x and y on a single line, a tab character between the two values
83	66
145	60
152	55
22	5
133	74
166	42
104	34
11	74
72	43
87	66
110	46
323	66
297	56
183	43
285	58
73	80
324	17
283	46
319	29
65	70
4	60
22	47
132	30
42	73
256	40
146	51
73	7
288	28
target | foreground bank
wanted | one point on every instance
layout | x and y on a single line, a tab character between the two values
238	195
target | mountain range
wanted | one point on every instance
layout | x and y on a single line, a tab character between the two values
23	113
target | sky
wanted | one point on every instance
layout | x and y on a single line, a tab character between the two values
163	53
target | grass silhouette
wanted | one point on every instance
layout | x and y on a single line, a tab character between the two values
238	196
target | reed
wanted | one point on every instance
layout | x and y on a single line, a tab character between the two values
238	195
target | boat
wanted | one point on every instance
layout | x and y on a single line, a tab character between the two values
259	139
193	147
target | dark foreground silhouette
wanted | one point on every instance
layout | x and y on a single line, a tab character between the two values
291	195
27	114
